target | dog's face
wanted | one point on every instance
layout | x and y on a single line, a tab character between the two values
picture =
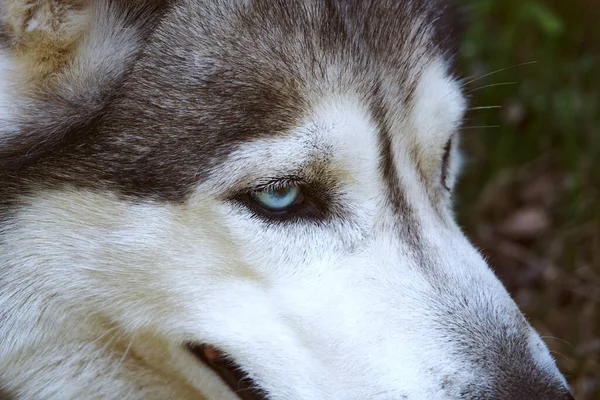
274	180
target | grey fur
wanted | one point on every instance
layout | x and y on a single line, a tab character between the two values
210	75
205	76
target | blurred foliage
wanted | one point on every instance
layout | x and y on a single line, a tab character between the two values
530	189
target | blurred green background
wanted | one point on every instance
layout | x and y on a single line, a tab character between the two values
530	193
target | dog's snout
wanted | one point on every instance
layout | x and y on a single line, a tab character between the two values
516	391
561	395
515	378
533	388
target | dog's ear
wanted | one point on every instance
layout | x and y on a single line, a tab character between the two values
43	36
60	62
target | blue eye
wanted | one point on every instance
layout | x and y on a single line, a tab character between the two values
278	199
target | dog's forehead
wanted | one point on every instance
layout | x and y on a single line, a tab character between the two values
256	69
217	74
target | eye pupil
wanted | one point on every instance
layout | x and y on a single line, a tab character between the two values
282	191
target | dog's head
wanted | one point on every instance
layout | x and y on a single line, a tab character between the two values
272	179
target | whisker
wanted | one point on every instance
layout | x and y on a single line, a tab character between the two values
100	351
560	354
491	85
496	72
107	344
559	339
481	127
485	76
104	334
123	357
483	108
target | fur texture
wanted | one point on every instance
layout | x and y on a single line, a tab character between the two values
132	137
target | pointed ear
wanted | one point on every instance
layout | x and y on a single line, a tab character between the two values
60	62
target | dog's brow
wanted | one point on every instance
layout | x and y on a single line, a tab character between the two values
258	162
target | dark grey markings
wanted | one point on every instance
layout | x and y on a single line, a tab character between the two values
535	385
513	371
451	24
394	44
208	77
521	384
407	222
442	23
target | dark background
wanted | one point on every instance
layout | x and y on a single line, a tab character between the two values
530	192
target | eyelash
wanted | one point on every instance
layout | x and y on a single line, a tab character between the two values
279	183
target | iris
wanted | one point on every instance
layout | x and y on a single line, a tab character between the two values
278	199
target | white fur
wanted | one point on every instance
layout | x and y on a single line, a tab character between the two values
99	293
310	312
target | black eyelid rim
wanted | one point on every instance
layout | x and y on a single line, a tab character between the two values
315	204
446	162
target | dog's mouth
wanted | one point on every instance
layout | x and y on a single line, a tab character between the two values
231	373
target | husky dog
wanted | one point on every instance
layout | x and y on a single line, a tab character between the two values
243	199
